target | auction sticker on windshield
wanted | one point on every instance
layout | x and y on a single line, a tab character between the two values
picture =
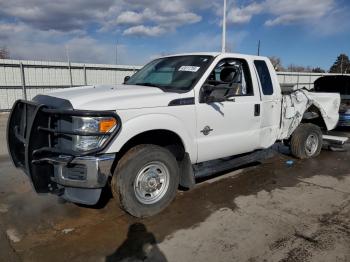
193	69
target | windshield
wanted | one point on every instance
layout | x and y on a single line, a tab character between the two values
177	74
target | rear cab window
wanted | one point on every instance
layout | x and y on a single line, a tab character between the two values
264	77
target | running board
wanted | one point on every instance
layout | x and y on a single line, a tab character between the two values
212	167
334	143
340	140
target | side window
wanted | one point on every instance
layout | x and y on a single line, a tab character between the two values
234	75
264	76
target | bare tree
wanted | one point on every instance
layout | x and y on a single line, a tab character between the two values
4	53
298	68
276	62
318	70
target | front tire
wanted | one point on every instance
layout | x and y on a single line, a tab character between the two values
145	180
306	141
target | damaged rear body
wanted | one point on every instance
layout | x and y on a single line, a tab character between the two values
302	105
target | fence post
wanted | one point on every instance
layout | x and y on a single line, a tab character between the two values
85	79
23	80
70	74
298	80
310	79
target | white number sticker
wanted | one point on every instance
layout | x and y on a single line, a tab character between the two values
193	69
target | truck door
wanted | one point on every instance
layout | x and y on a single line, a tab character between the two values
270	103
228	127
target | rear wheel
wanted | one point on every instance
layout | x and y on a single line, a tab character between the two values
306	141
146	180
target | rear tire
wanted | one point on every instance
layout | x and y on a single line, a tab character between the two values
306	141
145	180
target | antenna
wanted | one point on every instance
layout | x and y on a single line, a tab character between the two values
224	29
116	53
259	45
67	53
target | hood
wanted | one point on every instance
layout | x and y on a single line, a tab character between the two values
115	97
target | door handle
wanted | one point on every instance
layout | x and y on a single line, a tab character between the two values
257	110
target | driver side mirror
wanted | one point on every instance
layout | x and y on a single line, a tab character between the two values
126	79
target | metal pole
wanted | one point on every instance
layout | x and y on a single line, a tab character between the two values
259	48
224	29
70	74
24	90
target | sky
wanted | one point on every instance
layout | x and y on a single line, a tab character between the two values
300	32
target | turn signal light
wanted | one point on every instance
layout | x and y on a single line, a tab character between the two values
107	124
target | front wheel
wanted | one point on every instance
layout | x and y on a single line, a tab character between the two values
306	141
146	180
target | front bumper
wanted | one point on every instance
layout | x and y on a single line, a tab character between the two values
344	120
81	181
82	172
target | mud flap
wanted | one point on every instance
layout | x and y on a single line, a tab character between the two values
186	173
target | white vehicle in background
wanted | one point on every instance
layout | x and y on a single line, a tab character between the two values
178	118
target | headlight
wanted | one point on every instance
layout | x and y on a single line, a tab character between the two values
96	126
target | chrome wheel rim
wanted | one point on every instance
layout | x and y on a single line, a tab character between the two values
152	183
311	144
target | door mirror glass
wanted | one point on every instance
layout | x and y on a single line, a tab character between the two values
126	79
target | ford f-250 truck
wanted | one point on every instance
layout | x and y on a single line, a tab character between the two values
156	131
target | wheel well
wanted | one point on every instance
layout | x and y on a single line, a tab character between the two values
163	138
313	116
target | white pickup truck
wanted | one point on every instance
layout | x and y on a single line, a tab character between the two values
162	127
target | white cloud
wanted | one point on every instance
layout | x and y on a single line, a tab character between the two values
129	18
240	15
145	30
152	23
297	11
282	12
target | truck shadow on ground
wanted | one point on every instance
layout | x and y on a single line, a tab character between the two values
140	245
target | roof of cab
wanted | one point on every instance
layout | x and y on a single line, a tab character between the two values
215	54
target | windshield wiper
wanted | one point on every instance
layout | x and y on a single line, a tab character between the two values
161	87
152	85
147	84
